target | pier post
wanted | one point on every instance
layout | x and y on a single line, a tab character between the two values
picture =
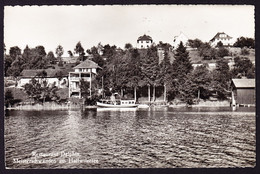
149	98
164	93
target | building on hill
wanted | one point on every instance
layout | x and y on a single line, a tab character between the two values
180	38
87	71
222	37
144	42
53	76
160	53
243	91
66	60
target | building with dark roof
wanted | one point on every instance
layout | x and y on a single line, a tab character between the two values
222	37
55	77
86	71
144	42
243	91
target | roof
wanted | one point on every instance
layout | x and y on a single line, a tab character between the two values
34	72
217	36
70	59
145	37
87	64
244	83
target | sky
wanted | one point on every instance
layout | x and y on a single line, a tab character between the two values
51	26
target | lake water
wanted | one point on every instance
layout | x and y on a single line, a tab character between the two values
131	138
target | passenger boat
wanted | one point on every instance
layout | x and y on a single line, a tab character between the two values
117	103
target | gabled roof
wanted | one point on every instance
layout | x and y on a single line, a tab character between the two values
87	64
244	83
34	72
217	36
145	37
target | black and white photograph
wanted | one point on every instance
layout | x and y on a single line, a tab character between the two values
129	86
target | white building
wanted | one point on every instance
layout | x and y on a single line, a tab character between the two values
144	42
87	71
52	77
222	37
180	38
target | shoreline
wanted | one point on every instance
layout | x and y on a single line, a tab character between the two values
55	106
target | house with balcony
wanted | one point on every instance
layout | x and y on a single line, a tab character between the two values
86	71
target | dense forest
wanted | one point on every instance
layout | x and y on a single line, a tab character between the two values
139	73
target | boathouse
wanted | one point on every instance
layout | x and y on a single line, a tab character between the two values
243	91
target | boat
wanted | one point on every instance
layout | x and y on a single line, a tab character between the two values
117	103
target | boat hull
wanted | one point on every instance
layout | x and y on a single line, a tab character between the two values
104	105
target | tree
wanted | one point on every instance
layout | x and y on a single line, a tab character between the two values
79	50
51	58
41	91
221	78
165	74
41	50
188	92
245	42
182	64
109	52
181	68
59	75
14	52
16	67
150	70
220	44
8	98
222	52
202	78
128	46
196	43
37	58
244	51
4	48
206	52
70	53
33	89
7	64
133	70
243	67
59	51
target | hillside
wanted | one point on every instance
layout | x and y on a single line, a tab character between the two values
195	58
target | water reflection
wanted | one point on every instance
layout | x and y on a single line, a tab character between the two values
153	137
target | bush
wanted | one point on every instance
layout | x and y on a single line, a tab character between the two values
244	51
60	64
222	52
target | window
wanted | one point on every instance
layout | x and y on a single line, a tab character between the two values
85	75
141	46
147	41
141	41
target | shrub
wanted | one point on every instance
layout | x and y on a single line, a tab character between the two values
244	51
